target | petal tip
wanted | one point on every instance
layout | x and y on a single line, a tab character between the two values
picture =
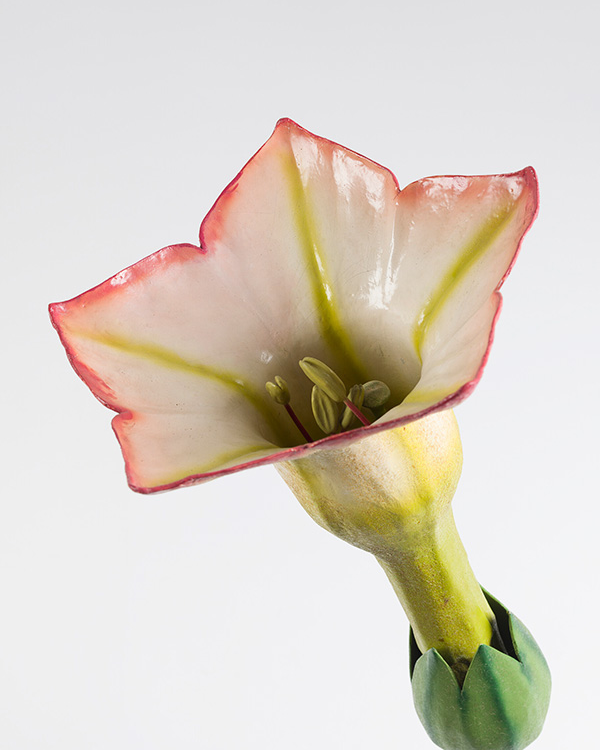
530	179
529	186
54	311
286	123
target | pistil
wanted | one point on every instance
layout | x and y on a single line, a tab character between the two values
356	411
356	394
298	423
353	402
280	393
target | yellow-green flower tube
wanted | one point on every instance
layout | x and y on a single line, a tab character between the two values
390	494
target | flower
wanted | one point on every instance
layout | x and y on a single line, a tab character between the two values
311	251
321	295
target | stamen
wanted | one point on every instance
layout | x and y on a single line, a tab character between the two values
373	394
325	411
280	393
356	411
330	383
376	394
298	423
324	377
357	396
278	390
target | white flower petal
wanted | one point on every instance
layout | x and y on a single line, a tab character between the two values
311	251
455	367
311	227
155	349
459	237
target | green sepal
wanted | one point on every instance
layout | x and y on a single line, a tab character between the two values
504	699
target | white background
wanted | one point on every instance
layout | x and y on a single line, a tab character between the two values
221	617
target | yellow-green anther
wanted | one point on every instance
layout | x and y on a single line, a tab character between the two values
280	382
324	377
278	390
324	410
357	396
376	394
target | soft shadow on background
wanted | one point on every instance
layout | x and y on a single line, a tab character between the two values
220	616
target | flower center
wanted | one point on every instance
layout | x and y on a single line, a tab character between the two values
334	408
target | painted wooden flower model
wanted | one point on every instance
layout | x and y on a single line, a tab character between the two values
327	323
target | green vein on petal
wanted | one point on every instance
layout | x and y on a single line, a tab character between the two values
166	358
219	462
430	395
471	253
332	330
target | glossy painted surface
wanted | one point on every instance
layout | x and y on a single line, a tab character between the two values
312	250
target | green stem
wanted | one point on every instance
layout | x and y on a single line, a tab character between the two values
438	590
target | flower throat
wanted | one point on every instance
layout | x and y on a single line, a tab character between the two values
334	408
